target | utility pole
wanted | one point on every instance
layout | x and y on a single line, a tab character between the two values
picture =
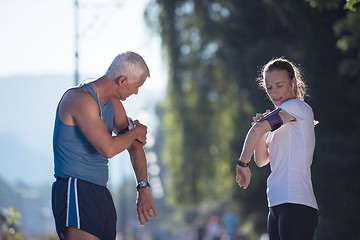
76	17
101	5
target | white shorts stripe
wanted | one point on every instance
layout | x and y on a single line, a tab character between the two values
68	202
77	205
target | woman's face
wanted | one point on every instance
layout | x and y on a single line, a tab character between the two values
279	86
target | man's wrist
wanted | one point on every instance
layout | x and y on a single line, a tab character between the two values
241	163
142	184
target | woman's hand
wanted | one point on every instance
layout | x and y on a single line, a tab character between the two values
243	176
258	116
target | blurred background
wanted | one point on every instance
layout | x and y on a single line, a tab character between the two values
204	57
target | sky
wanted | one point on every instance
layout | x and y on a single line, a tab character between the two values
37	65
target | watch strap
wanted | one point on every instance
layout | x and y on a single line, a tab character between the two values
242	164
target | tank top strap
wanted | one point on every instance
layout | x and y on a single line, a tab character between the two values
91	90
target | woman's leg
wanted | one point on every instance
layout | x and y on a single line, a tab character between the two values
272	224
297	222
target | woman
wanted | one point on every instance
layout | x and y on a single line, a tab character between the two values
284	138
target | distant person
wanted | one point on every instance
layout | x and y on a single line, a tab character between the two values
86	117
200	224
230	222
213	228
284	138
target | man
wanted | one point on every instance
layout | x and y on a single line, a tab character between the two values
85	119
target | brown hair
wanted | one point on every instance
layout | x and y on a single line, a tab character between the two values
292	71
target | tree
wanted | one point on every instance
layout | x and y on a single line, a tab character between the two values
338	142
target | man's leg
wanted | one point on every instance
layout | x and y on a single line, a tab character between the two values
72	233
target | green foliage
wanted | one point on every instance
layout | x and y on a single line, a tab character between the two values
194	118
11	225
328	4
347	30
350	5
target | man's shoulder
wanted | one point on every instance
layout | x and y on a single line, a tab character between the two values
75	104
77	95
76	99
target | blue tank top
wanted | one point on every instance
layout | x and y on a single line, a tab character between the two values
74	156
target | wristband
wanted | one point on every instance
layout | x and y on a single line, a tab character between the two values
242	164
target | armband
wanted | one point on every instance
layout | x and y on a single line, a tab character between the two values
131	123
130	126
273	119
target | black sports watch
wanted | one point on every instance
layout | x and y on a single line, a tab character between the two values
242	164
142	184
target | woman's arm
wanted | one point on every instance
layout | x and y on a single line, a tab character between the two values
261	155
256	132
252	139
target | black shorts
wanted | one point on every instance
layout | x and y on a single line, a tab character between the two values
83	205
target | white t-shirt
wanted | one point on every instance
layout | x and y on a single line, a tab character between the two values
291	149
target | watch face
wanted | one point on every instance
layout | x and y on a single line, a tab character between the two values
143	184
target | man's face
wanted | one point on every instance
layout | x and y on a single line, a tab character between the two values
131	86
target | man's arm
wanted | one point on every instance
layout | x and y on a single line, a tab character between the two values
144	204
79	108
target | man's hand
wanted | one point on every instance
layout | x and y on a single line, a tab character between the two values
145	205
243	176
141	131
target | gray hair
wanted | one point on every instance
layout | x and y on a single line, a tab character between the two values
130	64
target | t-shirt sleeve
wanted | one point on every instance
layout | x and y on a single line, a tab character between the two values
295	108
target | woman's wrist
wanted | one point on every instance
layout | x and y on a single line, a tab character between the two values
242	163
